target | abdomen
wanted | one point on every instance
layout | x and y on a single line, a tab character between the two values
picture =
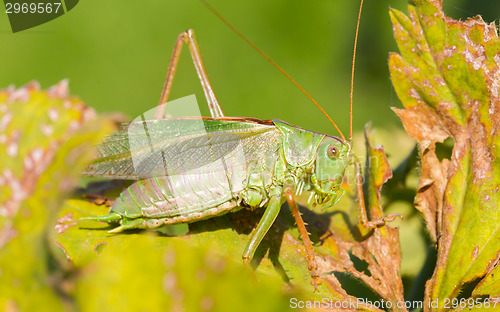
202	192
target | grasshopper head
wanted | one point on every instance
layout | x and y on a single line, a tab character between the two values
331	162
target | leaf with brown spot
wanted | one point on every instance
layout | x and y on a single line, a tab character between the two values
46	137
448	78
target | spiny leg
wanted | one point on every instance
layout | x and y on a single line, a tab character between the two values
310	255
189	38
361	201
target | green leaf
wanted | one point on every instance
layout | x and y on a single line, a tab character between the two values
148	274
46	138
150	270
447	78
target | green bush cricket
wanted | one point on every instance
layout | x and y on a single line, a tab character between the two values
193	168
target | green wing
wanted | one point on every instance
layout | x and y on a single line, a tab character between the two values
151	148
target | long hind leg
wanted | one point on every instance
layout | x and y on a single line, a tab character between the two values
189	39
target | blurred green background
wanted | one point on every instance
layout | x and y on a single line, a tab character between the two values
115	54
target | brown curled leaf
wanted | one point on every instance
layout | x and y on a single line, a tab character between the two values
448	78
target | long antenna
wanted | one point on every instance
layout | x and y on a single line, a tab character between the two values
352	71
272	62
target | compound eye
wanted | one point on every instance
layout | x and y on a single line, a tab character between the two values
332	152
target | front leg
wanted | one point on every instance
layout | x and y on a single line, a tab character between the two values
310	254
